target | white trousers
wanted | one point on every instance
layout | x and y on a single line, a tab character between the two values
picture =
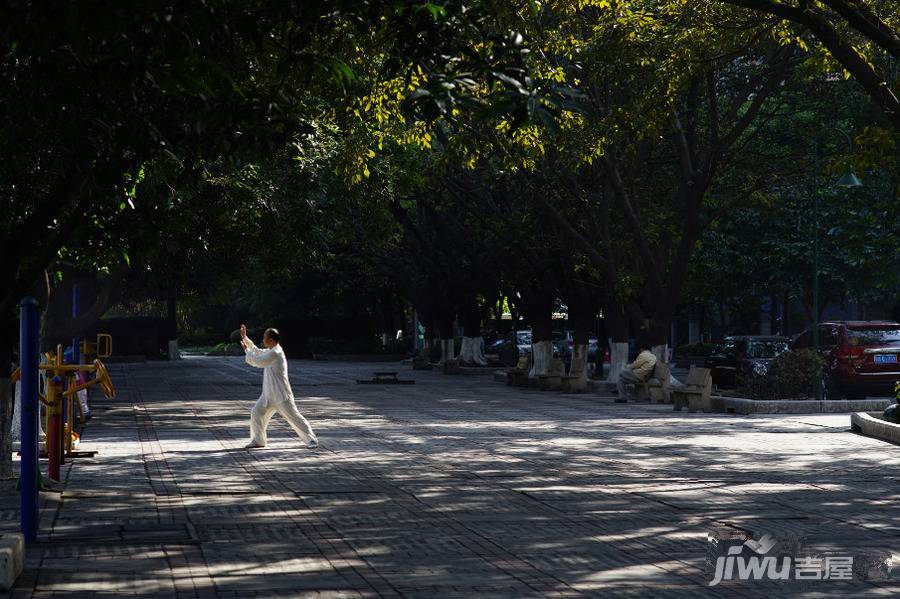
262	413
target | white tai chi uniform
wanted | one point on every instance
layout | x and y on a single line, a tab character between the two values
276	396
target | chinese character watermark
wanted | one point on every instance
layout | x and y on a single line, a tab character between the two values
734	555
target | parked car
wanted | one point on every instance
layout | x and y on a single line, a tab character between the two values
743	356
565	342
508	349
861	357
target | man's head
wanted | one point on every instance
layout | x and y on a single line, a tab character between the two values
645	345
271	338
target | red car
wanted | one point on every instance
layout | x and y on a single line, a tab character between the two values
861	357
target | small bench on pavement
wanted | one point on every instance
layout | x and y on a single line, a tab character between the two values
421	361
553	379
12	559
385	378
452	366
518	375
657	387
696	392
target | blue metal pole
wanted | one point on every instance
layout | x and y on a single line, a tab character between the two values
29	358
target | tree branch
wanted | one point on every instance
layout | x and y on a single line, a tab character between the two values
860	17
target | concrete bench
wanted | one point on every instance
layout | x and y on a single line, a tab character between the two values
12	559
385	378
518	376
657	388
553	379
452	367
422	361
695	395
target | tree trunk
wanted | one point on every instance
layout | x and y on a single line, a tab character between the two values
618	359
582	310
578	367
541	318
786	315
448	350
6	401
617	326
472	349
542	353
7	342
445	332
172	316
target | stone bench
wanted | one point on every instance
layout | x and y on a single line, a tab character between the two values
657	388
552	381
696	393
12	559
518	376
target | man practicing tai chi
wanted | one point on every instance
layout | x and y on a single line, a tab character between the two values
276	391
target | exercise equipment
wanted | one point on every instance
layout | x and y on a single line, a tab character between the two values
61	437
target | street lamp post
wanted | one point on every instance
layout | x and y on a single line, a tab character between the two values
846	181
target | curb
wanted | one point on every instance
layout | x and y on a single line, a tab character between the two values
870	426
739	405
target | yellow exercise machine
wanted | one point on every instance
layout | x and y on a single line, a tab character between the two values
59	438
102	348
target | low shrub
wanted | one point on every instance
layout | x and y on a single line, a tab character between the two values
792	375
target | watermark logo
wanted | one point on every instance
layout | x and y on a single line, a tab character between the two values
734	555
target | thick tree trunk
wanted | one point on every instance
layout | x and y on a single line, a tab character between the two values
541	340
786	318
448	350
7	342
582	309
472	350
57	328
445	332
578	367
617	326
542	353
618	359
537	305
6	401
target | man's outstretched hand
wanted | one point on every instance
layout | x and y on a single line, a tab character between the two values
245	343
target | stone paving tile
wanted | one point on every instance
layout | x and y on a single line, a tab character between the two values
452	487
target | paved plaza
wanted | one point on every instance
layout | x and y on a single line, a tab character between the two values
456	486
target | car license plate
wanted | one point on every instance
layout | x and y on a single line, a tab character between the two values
885	358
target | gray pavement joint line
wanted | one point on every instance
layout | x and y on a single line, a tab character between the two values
768	476
150	444
435	414
433	515
630	467
455	524
252	465
330	550
439	466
